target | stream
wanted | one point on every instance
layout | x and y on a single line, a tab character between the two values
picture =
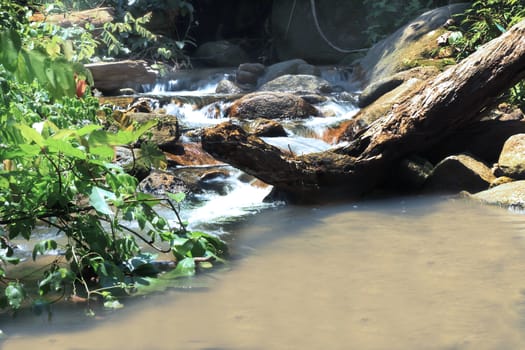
423	272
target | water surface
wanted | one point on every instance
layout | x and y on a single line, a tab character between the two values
400	274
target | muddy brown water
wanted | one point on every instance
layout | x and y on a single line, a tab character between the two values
420	273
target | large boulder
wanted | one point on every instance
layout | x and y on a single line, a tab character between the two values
407	45
511	161
271	105
109	77
459	173
190	154
299	83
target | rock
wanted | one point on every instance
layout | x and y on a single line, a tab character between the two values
255	68
227	87
457	173
406	45
165	134
190	153
160	182
267	128
131	161
380	87
220	53
246	78
507	195
511	161
300	83
295	33
112	76
295	66
500	180
271	105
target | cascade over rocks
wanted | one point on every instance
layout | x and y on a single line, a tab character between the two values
421	120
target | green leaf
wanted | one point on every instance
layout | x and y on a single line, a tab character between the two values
10	45
98	199
113	304
185	268
31	134
177	197
15	294
44	246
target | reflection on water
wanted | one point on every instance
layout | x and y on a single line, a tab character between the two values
412	274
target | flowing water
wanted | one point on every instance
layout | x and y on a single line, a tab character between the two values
405	273
416	273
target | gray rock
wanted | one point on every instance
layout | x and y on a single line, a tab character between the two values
459	173
160	183
508	195
255	68
300	83
387	56
112	76
227	87
511	161
220	54
294	66
267	128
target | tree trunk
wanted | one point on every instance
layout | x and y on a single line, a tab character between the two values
450	101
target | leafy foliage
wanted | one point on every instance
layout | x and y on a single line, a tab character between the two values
482	22
56	170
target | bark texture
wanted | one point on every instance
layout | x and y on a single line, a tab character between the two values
450	101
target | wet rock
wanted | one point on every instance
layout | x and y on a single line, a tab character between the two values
220	53
298	83
271	105
227	87
248	74
295	66
398	51
384	85
109	77
511	161
190	153
255	68
507	195
457	173
267	128
199	179
165	134
246	78
159	183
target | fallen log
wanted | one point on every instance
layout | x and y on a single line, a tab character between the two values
450	101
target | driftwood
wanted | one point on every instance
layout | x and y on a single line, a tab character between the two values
448	102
